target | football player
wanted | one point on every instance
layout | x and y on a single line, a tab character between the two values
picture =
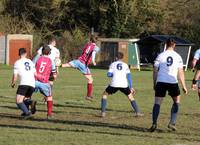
25	69
121	80
194	63
44	67
88	56
167	66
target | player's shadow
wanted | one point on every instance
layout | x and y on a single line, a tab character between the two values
68	105
95	124
38	110
75	122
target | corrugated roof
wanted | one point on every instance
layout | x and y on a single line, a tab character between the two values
163	38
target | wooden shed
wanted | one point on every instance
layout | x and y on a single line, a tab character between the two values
111	46
10	44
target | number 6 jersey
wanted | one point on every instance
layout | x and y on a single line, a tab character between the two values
168	63
25	69
119	70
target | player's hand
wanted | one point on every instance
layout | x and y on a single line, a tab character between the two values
133	91
44	99
94	63
194	87
185	91
12	85
193	69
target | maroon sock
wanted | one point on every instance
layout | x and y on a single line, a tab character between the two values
89	90
49	107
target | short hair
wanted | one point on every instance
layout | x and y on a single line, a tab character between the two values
46	50
22	51
93	38
51	39
120	55
170	42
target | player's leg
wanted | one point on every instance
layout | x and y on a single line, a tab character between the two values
104	104
29	102
108	91
199	88
160	92
89	86
174	111
133	102
21	91
70	64
174	92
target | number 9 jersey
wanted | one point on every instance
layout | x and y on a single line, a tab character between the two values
25	69
168	63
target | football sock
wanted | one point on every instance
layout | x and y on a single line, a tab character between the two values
27	102
156	111
23	107
49	107
89	89
134	106
174	112
103	105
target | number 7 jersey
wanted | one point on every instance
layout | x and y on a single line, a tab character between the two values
168	63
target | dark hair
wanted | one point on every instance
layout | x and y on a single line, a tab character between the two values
51	39
46	50
22	51
170	42
120	55
93	39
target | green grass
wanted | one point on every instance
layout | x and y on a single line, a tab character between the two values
77	121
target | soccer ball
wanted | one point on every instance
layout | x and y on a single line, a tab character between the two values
57	62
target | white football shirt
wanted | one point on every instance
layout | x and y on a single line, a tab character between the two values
168	63
55	53
197	54
119	70
25	69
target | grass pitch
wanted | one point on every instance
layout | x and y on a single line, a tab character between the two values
77	122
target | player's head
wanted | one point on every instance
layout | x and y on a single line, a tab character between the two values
120	55
52	41
46	50
22	52
93	38
171	43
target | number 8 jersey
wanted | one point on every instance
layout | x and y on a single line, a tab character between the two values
25	69
119	70
168	63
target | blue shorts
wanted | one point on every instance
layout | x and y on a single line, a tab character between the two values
198	82
79	65
44	88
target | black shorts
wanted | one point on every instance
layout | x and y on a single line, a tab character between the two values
25	90
162	88
112	90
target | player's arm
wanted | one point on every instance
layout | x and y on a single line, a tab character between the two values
53	70
15	76
155	75
14	80
96	50
182	79
194	61
195	79
110	71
